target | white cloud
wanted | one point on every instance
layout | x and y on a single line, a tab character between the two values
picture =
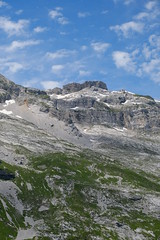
19	12
30	83
127	28
154	40
123	60
142	15
127	2
15	45
57	69
3	4
83	73
57	15
39	29
146	52
84	48
14	67
100	47
83	14
13	28
62	53
150	5
152	68
50	84
62	20
104	12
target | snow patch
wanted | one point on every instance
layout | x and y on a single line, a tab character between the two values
4	111
118	129
18	116
74	108
8	102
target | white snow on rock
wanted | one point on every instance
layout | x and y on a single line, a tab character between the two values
8	102
18	116
4	111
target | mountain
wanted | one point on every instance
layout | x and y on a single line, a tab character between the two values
80	162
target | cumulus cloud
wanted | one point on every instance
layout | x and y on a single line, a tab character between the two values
39	29
142	62
57	15
50	84
127	28
100	47
11	27
124	60
16	45
62	53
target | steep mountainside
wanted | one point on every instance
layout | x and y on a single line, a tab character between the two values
80	162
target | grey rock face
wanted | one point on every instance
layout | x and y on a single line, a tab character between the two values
121	109
8	89
75	87
89	103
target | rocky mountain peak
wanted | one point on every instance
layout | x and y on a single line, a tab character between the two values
75	87
8	89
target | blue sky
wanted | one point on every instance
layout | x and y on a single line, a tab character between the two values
48	43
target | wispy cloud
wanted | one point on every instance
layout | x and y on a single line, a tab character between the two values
13	28
150	5
84	73
123	60
84	47
56	69
127	28
3	4
104	12
142	15
57	15
10	66
19	12
100	47
50	84
150	12
83	14
14	66
152	69
39	29
125	2
16	45
62	53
